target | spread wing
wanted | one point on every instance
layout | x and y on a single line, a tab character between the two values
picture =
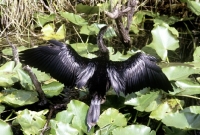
136	73
61	61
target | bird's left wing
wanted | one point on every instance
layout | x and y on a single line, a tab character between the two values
137	72
61	61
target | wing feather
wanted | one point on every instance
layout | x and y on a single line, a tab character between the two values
61	61
136	73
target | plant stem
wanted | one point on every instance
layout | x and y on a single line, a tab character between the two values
135	117
158	126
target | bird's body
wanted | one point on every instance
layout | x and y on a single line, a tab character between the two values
97	74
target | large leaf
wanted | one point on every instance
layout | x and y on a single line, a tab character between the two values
44	18
87	9
64	116
109	120
25	80
111	117
163	40
60	128
188	118
117	56
62	124
179	72
41	76
145	102
52	89
84	49
7	75
48	32
94	30
79	110
165	108
18	98
188	87
5	128
134	130
194	6
76	19
31	122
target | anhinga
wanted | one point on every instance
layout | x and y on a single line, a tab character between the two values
97	74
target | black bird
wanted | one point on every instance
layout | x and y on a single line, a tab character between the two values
97	74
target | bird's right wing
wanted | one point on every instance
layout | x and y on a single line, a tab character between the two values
136	73
61	61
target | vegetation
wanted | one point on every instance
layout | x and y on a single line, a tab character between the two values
168	30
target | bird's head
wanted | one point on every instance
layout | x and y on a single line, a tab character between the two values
102	47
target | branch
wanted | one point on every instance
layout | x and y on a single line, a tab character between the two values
37	85
14	51
117	14
46	126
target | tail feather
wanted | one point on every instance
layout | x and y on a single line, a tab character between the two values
93	112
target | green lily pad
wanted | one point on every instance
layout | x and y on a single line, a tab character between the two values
52	89
111	117
60	128
80	8
134	130
163	40
5	128
79	109
31	122
7	74
76	19
19	98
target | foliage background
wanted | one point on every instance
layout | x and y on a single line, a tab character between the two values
168	30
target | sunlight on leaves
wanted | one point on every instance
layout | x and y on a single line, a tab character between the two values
19	97
163	40
184	119
84	49
179	72
111	117
79	109
7	74
31	122
41	76
5	128
52	89
60	128
64	116
134	130
48	32
188	87
169	106
194	6
25	80
145	102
